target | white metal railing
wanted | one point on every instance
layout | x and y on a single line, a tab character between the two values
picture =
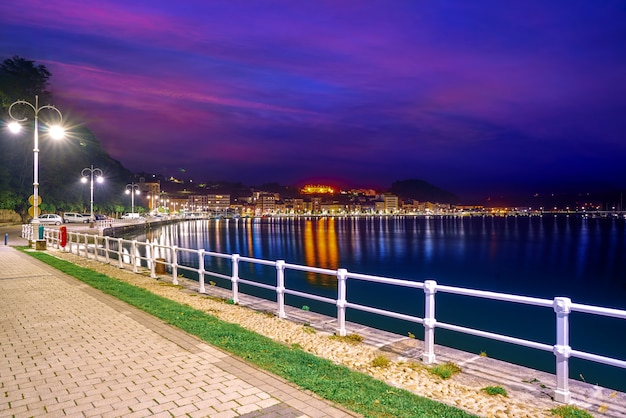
135	253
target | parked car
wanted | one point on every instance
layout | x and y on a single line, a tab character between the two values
50	219
130	216
99	217
73	217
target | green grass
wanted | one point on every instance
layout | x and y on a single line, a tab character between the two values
445	370
353	390
381	361
495	390
350	338
568	411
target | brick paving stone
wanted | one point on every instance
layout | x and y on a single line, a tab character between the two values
69	350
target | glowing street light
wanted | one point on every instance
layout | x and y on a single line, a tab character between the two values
56	132
132	189
92	171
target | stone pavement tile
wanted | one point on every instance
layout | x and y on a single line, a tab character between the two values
70	350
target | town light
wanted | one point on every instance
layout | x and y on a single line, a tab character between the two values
132	189
98	173
56	132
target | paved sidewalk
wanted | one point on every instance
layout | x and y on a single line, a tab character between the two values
70	350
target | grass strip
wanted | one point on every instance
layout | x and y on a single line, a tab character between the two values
353	390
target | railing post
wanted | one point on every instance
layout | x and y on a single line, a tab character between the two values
174	265
120	257
280	288
430	288
106	249
152	259
95	247
235	277
87	246
201	270
562	307
133	255
341	301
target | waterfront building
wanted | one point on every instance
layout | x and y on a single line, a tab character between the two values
266	204
316	205
218	203
333	208
150	191
294	205
390	203
197	202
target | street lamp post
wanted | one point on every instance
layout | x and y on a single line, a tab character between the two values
132	189
56	132
98	173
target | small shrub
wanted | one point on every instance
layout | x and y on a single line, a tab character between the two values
483	354
212	283
445	371
411	335
568	411
309	330
230	301
350	338
305	308
495	390
380	361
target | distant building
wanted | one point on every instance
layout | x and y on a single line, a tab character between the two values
294	205
315	205
150	191
333	208
390	203
197	202
362	192
317	189
218	202
266	203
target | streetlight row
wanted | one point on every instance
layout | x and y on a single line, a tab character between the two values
56	132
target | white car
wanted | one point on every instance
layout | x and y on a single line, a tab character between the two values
50	219
130	216
73	217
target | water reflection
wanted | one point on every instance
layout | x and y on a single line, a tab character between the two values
536	256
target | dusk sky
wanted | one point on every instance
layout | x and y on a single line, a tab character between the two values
476	97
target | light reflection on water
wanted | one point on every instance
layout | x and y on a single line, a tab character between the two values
584	259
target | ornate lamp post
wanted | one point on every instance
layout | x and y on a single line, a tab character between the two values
92	171
132	189
55	131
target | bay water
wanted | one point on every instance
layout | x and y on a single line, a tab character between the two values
538	256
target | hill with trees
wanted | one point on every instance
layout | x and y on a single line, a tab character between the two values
422	191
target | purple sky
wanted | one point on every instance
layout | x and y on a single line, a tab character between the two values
477	97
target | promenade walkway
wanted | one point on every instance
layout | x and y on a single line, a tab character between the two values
70	350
